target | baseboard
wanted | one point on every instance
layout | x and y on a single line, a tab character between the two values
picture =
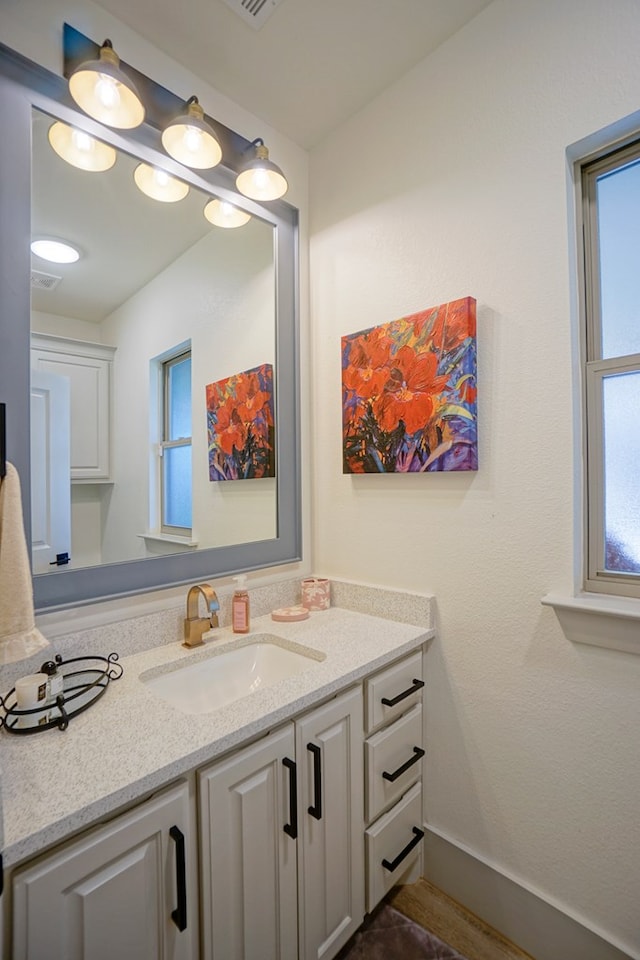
540	928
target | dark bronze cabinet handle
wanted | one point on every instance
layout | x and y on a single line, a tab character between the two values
417	685
291	828
316	808
392	865
179	915
418	752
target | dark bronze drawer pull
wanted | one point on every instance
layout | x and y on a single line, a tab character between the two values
316	808
417	685
392	865
179	915
418	752
291	828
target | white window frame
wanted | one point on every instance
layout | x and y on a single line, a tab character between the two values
165	444
596	578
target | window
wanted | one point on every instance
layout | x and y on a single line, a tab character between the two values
175	446
611	223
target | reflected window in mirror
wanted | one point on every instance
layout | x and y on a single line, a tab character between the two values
175	449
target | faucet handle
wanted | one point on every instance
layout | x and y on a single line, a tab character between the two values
194	625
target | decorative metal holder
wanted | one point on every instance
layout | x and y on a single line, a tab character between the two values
82	687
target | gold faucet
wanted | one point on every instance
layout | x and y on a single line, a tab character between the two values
195	626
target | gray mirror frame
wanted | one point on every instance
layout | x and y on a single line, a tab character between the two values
23	85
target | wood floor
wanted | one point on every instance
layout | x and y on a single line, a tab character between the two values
453	923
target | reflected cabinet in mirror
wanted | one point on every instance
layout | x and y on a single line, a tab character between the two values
151	383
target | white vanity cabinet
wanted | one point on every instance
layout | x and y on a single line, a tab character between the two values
125	890
88	368
393	774
273	851
282	840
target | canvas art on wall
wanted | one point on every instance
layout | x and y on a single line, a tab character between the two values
240	425
409	393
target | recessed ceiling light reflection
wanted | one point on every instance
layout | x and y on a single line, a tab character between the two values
80	149
223	214
158	184
55	251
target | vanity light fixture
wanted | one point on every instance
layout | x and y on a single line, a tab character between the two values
190	140
80	149
104	91
107	92
55	251
260	178
221	213
158	184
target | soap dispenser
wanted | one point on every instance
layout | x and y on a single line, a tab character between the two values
240	606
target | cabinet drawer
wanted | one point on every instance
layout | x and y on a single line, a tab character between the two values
393	758
393	691
393	844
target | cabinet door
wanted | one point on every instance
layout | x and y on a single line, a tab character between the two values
120	891
248	858
331	855
90	384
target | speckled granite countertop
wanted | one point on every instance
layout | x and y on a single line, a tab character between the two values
130	742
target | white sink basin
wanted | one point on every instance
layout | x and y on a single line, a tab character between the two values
208	684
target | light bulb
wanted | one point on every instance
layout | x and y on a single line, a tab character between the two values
158	184
261	179
223	214
192	139
107	91
80	149
82	141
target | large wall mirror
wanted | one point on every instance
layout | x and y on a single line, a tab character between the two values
171	341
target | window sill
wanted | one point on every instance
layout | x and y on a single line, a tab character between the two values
170	538
601	621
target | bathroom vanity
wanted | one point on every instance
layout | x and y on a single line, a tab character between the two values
264	828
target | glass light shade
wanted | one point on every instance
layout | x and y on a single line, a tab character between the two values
260	179
55	251
190	140
80	149
102	90
221	213
158	184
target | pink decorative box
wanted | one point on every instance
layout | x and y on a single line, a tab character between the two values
316	593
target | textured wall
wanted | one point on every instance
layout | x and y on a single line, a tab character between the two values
454	183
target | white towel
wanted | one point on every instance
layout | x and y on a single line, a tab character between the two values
19	636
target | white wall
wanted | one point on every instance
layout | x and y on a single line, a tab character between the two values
219	295
453	183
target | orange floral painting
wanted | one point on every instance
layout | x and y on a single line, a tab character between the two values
240	429
409	393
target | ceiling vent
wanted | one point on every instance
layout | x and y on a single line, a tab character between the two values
254	12
44	281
